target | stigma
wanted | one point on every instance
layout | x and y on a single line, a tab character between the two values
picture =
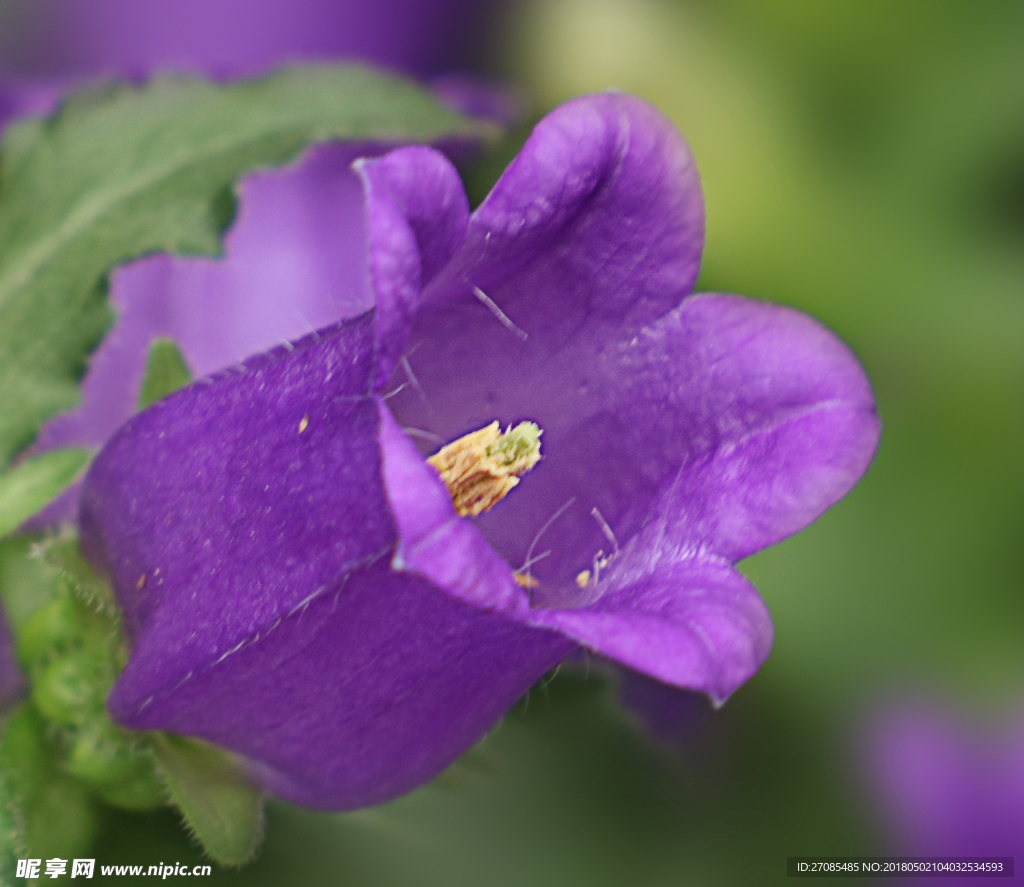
482	467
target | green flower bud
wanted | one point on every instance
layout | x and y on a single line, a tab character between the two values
52	627
69	688
145	792
102	754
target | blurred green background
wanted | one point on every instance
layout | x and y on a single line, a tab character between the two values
862	160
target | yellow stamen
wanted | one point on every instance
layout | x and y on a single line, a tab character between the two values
480	468
525	580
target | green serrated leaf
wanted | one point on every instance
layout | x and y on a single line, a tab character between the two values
51	813
221	808
166	372
33	484
121	171
62	552
27	584
61	820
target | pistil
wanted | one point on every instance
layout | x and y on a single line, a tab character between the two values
482	467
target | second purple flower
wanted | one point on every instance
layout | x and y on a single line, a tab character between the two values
297	584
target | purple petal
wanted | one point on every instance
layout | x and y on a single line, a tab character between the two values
947	787
691	623
595	229
433	541
233	37
671	715
416	212
298	497
372	689
733	422
754	418
21	97
262	580
603	206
